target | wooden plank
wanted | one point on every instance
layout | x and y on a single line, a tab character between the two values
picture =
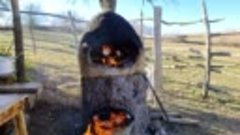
183	121
221	54
21	123
18	40
8	100
217	66
23	88
10	113
6	28
10	106
197	57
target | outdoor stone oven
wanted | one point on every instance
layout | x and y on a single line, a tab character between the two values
111	58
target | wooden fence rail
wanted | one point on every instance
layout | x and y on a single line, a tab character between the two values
45	14
181	23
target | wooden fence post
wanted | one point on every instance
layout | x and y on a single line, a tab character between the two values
73	29
157	49
141	25
18	40
31	27
207	76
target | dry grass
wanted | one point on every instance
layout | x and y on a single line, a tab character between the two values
218	115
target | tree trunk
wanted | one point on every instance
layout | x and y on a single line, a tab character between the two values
108	5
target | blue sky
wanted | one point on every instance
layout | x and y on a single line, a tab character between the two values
173	10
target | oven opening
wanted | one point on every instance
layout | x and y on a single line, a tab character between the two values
108	121
115	56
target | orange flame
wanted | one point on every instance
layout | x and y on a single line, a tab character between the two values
109	59
107	127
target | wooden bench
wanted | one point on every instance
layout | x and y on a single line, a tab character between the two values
33	89
21	88
12	108
13	100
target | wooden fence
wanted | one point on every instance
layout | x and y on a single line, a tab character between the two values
157	41
157	38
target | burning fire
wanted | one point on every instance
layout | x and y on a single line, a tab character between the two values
111	57
110	126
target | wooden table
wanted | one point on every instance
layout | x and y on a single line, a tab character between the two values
12	108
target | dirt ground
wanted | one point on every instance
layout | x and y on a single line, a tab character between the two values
54	112
58	114
54	119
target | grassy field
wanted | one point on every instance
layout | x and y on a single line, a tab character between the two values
218	115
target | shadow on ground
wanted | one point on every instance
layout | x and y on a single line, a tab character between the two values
209	123
54	119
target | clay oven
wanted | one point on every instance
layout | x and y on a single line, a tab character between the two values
111	58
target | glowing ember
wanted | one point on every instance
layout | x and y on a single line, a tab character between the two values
110	126
111	57
106	50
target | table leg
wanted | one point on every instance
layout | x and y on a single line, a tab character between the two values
21	124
